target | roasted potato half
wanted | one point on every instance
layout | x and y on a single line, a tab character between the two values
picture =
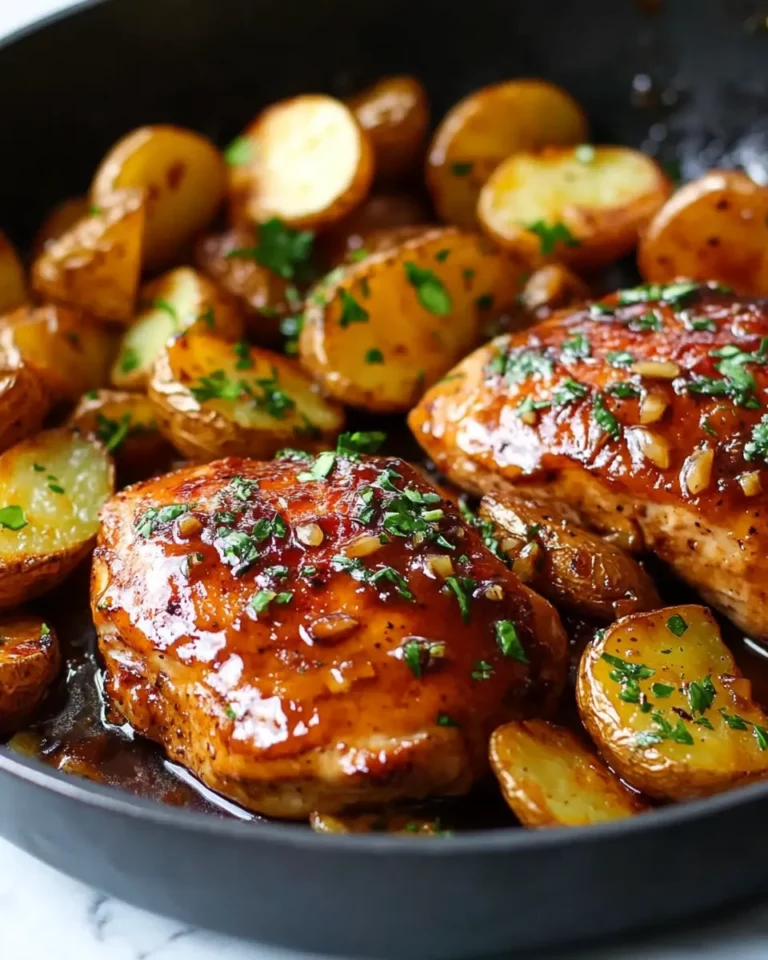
70	352
126	423
550	778
217	399
485	128
183	177
715	228
13	282
52	488
305	160
384	822
667	707
61	219
379	332
551	288
29	661
179	300
565	563
95	265
584	205
24	401
395	112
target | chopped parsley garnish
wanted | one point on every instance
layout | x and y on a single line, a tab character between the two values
216	386
733	720
577	348
737	383
520	366
361	441
673	293
677	625
461	169
239	153
604	418
445	720
129	361
358	571
237	549
112	432
648	321
701	694
430	291
664	731
38	468
662	690
550	235
285	251
261	600
351	310
241	488
624	390
758	445
626	669
152	518
508	641
374	355
462	587
482	670
12	517
761	735
569	391
320	469
419	655
700	323
442	255
55	487
273	398
468	274
620	358
243	353
484	302
230	712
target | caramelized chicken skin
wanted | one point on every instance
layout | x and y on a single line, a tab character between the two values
311	635
645	413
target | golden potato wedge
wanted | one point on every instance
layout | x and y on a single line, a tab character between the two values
96	264
52	488
488	126
715	228
379	332
13	283
395	112
390	212
384	822
305	160
550	778
61	219
215	399
586	209
551	288
183	177
571	567
667	707
29	661
70	351
179	300
126	423
24	401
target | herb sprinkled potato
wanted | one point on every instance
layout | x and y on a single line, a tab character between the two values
550	778
95	265
715	228
669	710
305	160
52	488
378	332
179	300
584	205
183	177
217	399
29	661
13	283
485	128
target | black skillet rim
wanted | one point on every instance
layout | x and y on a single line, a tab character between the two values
501	839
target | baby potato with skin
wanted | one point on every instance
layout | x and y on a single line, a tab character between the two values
30	658
183	180
667	707
13	282
217	399
24	400
61	219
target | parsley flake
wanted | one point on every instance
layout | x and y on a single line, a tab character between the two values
430	291
550	235
508	641
351	310
12	517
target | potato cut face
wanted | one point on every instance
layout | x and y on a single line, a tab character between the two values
24	401
395	112
380	331
586	210
183	177
181	299
664	701
384	822
52	487
487	127
307	161
70	352
95	265
29	661
550	778
218	399
715	228
13	283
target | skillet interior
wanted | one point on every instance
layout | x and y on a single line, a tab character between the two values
67	92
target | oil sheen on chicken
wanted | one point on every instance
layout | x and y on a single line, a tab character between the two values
645	413
318	634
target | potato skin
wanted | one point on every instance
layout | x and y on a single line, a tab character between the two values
562	561
550	778
61	219
24	401
551	288
13	284
554	188
183	177
95	265
395	112
661	749
485	128
715	228
399	822
30	658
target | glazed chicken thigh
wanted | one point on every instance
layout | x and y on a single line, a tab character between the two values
644	413
315	634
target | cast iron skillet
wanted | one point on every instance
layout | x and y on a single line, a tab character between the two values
68	89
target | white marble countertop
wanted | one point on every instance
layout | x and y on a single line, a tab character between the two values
46	916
